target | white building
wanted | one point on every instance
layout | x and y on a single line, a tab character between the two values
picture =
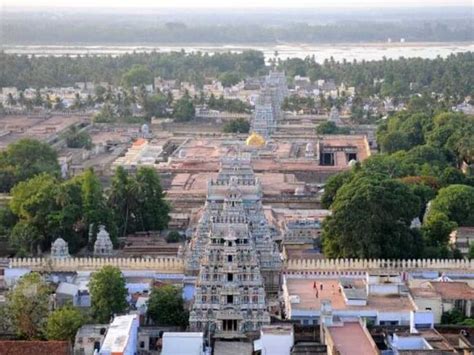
182	343
121	337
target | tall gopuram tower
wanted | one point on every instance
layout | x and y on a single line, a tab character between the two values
233	255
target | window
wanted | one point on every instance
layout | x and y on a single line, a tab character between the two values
229	258
230	277
351	156
327	158
230	299
142	344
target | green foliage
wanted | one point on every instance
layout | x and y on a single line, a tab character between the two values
32	201
471	252
371	218
24	238
25	159
108	293
173	237
229	79
138	201
64	323
299	103
332	186
228	105
77	139
156	106
457	203
133	69
427	75
153	211
455	316
436	228
184	110
329	127
166	306
238	125
95	209
136	76
105	115
28	304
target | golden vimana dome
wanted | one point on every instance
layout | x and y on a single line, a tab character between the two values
255	140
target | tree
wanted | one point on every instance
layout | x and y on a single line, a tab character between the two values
25	159
152	210
173	237
166	306
77	139
24	238
229	79
184	110
108	293
136	76
95	208
156	106
123	201
238	125
106	114
457	203
64	323
332	186
371	218
32	201
28	304
436	229
330	127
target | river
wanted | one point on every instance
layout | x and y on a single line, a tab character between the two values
359	52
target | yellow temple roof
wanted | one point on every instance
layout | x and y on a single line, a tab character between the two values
255	140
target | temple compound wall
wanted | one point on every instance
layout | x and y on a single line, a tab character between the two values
170	265
328	266
176	265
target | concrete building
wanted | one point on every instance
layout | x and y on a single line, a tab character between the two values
183	343
379	299
275	340
121	337
89	338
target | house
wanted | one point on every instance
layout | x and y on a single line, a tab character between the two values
348	338
455	294
183	343
121	337
381	299
275	340
89	338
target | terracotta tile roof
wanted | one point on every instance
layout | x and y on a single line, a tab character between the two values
23	347
453	290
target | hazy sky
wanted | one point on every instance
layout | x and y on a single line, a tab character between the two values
236	3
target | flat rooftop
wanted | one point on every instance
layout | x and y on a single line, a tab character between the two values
351	339
311	296
453	290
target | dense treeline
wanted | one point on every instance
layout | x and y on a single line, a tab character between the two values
376	204
38	72
93	30
452	77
